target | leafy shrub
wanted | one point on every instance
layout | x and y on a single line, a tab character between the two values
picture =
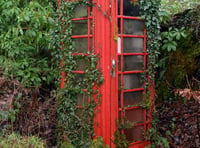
16	141
26	30
98	143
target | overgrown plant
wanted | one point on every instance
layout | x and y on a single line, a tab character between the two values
170	38
156	139
98	143
180	35
25	41
176	6
26	56
75	124
16	141
151	13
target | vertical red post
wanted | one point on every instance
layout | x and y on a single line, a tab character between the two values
104	15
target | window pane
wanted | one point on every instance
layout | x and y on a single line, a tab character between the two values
133	45
134	134
132	81
82	100
133	63
81	65
79	27
81	45
130	8
135	115
131	98
133	27
80	11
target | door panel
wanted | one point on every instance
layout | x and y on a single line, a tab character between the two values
131	66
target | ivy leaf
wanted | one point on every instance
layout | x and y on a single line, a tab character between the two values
51	21
27	18
178	36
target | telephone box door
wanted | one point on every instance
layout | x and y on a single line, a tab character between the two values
115	30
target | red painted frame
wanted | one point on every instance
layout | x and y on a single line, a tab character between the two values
104	26
120	16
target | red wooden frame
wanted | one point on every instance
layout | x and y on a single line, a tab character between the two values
104	32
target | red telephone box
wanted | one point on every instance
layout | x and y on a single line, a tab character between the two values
120	41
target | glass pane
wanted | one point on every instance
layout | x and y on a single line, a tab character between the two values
81	45
132	81
81	65
133	63
131	98
133	45
134	134
134	27
119	100
80	11
79	27
82	100
119	63
79	80
135	115
119	83
130	8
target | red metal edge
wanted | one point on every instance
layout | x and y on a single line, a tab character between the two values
140	144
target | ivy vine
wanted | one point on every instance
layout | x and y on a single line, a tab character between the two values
75	123
150	13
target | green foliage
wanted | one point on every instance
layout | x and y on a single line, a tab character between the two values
177	6
26	30
75	124
150	12
153	17
98	143
156	139
120	140
66	145
170	38
16	141
182	63
180	47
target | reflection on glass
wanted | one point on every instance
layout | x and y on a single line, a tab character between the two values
80	11
82	100
134	134
130	8
79	27
79	80
133	98
132	81
133	27
81	45
133	63
135	115
81	65
119	62
119	100
133	45
119	83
